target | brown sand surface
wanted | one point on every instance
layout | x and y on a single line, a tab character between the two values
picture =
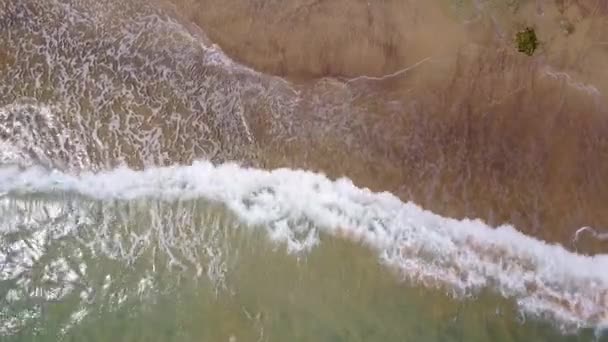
474	128
427	99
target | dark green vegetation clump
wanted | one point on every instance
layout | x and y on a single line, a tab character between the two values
527	42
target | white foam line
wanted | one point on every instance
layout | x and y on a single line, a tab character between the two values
396	73
587	88
460	255
602	236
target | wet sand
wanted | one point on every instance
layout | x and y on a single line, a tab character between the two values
311	39
473	128
465	126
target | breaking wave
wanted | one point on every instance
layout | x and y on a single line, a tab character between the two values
296	207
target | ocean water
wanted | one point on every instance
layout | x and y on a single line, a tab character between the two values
228	253
136	204
214	253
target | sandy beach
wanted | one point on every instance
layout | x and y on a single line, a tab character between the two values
462	122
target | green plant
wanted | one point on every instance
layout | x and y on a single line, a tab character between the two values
527	42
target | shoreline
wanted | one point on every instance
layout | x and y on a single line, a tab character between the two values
484	132
499	193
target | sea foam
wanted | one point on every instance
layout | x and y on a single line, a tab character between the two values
295	206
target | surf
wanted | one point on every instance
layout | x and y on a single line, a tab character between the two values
297	207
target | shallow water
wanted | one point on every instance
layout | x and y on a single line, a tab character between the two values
208	253
212	279
123	216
